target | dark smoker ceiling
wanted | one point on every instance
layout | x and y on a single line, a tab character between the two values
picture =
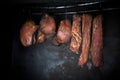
54	1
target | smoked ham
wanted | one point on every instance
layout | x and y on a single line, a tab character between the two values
27	31
64	32
47	26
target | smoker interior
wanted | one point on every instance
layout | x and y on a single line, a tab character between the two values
48	62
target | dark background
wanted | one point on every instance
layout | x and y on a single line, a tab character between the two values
14	64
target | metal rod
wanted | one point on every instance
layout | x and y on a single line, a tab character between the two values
84	11
76	5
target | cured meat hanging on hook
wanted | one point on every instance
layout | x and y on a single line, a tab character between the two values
64	33
47	25
86	32
76	34
27	36
46	29
97	41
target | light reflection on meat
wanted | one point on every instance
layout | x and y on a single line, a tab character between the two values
76	34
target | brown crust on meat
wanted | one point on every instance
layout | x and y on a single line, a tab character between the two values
40	37
64	32
86	31
76	34
47	25
97	41
27	32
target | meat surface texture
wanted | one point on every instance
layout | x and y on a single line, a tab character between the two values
47	26
86	31
40	37
97	41
76	34
64	32
27	33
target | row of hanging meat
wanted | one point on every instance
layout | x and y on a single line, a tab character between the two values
84	35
